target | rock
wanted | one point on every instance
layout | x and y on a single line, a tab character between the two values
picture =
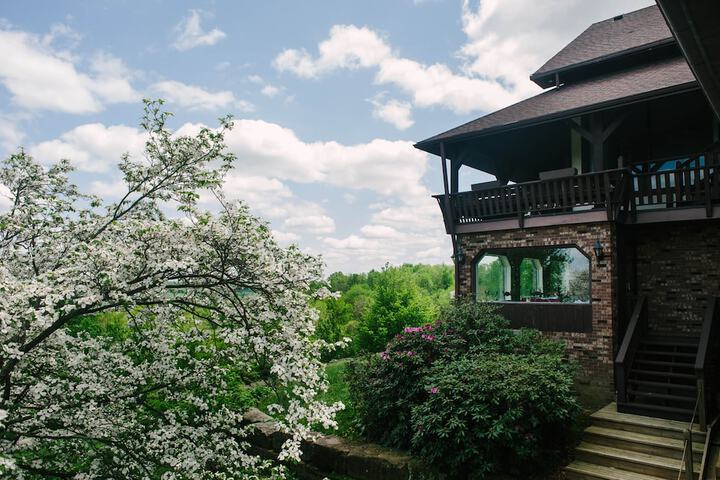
255	416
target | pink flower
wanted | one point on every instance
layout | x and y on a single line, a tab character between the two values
434	390
413	329
384	355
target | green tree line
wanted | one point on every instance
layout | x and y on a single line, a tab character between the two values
375	306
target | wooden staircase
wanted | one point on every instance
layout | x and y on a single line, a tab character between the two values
662	381
623	446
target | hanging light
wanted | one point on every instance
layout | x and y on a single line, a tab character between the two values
459	257
599	250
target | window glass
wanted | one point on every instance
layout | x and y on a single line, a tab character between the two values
543	274
492	278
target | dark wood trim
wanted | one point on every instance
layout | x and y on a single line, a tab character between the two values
591	216
450	220
548	317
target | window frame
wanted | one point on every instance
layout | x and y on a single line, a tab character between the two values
501	251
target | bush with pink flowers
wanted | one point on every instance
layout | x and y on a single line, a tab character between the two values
468	394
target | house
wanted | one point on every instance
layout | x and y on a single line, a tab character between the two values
602	225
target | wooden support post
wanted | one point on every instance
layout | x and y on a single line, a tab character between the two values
450	220
596	136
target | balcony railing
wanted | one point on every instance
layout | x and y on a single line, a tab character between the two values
619	193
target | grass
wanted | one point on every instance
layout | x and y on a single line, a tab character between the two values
337	392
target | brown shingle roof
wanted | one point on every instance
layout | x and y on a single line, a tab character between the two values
642	28
573	99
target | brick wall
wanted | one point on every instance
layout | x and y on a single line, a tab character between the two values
678	267
594	351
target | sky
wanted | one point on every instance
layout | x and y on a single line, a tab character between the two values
328	98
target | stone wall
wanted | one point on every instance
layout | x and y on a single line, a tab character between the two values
330	456
594	350
678	268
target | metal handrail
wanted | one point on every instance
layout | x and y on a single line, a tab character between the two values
687	456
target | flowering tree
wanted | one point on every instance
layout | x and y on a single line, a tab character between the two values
190	303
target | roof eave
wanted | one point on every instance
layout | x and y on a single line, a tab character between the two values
431	145
547	79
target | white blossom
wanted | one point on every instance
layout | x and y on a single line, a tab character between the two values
193	301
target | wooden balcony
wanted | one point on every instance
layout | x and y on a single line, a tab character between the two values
660	190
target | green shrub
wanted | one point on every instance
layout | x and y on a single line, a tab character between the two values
467	394
396	303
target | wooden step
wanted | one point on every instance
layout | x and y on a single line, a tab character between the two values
670	341
656	373
640	442
622	459
662	363
668	353
579	470
652	410
663	396
609	417
671	386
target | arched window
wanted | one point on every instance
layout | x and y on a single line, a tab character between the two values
492	278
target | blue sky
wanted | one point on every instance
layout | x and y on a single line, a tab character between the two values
328	97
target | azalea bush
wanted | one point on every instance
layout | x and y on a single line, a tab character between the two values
126	334
469	395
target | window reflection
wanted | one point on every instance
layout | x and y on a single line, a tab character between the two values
492	278
543	274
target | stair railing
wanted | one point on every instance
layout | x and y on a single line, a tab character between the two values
626	354
706	360
687	456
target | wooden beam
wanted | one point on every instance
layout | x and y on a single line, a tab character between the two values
582	131
613	126
454	176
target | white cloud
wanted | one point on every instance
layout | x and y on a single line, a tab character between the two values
270	90
394	112
506	41
285	238
190	34
195	98
92	147
272	199
497	48
40	77
11	136
352	47
112	189
269	159
348	47
256	79
384	166
312	223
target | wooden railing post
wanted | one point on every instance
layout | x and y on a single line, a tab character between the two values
626	353
702	411
705	347
689	474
